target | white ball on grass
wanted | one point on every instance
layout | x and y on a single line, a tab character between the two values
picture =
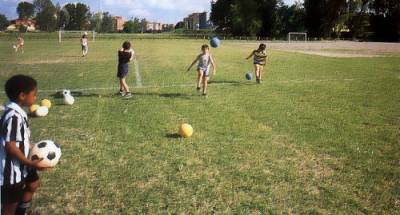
68	98
42	111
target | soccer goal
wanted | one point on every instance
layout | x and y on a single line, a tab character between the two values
297	36
63	35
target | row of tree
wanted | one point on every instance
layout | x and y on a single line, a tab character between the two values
372	19
50	17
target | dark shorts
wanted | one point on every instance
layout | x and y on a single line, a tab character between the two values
13	193
122	70
259	63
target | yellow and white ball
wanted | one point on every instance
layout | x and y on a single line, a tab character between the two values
33	109
46	103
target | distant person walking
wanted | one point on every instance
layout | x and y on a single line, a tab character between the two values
84	44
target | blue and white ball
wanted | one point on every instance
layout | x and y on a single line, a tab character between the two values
215	42
249	76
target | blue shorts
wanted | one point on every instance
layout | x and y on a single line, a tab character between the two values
204	70
122	70
84	48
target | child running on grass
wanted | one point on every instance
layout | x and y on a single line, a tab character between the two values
20	44
203	68
84	44
125	55
260	59
18	175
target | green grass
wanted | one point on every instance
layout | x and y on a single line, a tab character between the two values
319	136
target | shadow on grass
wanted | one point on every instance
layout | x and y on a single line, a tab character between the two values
78	94
231	83
164	95
59	95
173	136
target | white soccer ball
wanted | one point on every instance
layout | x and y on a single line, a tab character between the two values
14	47
42	111
48	150
68	98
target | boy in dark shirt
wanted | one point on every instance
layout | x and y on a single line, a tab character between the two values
125	55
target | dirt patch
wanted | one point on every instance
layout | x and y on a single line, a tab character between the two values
39	62
336	48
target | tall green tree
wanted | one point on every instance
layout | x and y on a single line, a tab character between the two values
79	15
63	18
107	24
268	13
132	26
25	10
143	25
46	15
385	20
96	21
315	15
243	21
3	22
221	15
290	19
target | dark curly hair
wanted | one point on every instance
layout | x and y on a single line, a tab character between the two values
19	84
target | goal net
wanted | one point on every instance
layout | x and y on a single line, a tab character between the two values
297	37
63	35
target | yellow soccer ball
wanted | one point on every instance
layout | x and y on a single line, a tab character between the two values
46	103
33	108
185	130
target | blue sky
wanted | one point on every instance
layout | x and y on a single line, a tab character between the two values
166	11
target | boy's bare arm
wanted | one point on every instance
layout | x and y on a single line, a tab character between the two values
11	148
251	55
194	62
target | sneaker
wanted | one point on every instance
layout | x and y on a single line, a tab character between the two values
258	81
198	89
205	94
128	95
121	92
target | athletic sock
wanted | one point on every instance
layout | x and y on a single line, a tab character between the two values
23	207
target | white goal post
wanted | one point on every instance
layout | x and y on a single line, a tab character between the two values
297	36
62	34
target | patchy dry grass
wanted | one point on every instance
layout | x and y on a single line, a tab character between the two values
319	136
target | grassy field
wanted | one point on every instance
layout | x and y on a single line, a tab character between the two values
321	135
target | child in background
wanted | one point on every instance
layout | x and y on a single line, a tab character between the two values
260	59
20	44
18	175
125	55
203	68
84	44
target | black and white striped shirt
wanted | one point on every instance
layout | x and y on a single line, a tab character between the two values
13	127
